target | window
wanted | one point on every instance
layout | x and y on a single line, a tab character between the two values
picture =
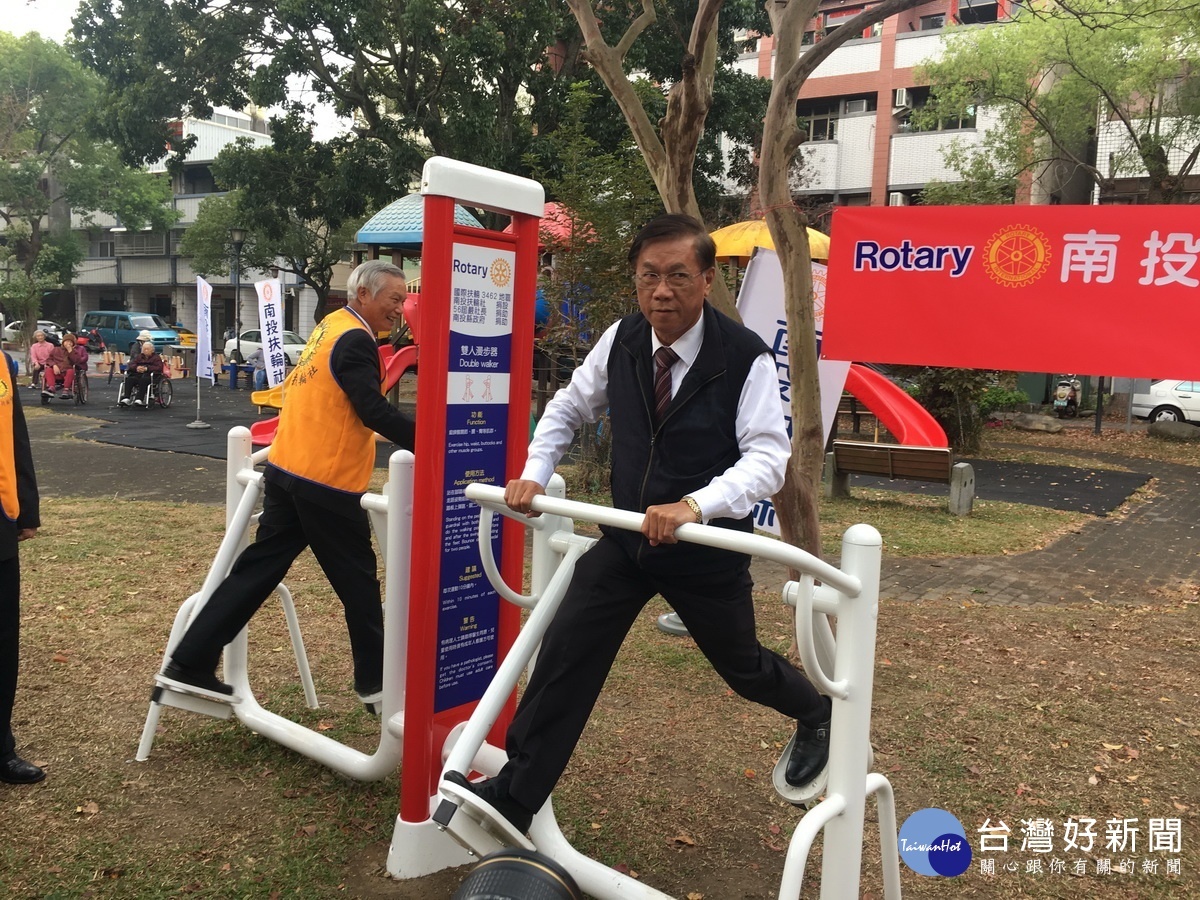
818	118
104	248
976	12
918	97
809	37
931	23
143	244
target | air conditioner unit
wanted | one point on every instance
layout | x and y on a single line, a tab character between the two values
895	198
900	98
856	106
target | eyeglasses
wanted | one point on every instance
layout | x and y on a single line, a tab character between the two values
650	280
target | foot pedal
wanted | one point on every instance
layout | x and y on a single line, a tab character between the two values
475	824
670	623
805	795
181	687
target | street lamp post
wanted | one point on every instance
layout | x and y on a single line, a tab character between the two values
237	237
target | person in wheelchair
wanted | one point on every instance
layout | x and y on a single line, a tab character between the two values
76	359
140	373
39	352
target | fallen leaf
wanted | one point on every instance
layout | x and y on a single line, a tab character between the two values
61	658
686	841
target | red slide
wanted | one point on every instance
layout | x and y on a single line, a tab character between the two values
903	416
395	364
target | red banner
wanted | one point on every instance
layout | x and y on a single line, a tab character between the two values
1101	290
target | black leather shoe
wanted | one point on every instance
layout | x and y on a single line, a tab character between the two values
15	770
206	681
497	797
810	753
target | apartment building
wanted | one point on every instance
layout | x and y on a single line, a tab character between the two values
863	148
142	271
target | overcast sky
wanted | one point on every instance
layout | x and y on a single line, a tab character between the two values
52	19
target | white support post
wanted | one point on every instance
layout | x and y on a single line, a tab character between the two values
843	668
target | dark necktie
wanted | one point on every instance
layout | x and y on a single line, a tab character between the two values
664	358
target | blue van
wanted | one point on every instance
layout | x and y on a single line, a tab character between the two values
120	328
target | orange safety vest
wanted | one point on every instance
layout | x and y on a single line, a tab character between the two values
320	437
9	501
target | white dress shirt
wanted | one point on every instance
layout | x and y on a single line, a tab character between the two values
761	431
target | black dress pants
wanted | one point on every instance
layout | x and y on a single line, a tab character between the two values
288	524
606	595
10	644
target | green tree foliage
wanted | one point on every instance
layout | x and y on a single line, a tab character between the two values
1061	73
606	195
301	202
52	163
952	397
418	75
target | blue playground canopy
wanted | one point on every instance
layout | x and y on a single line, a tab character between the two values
402	223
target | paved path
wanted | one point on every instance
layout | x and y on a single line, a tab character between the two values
1116	559
1110	560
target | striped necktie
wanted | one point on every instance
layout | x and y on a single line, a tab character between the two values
664	358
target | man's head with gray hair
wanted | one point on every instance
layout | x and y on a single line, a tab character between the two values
371	275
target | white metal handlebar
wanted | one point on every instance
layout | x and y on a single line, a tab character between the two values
708	535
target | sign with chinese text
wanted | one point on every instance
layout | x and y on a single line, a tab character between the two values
270	318
760	303
1021	288
477	385
204	356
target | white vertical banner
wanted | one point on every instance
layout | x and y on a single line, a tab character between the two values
204	355
760	303
270	318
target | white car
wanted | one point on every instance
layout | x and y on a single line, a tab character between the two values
1169	400
12	331
293	345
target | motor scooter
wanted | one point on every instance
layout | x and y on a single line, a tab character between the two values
1066	397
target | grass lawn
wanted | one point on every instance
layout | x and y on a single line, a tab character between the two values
995	714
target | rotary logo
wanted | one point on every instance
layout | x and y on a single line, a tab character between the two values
501	272
3	385
1016	256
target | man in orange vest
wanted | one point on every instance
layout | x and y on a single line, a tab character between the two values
19	503
318	468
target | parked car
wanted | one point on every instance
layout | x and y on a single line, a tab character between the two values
1169	400
187	337
293	345
119	328
12	331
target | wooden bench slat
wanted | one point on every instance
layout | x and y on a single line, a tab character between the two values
894	461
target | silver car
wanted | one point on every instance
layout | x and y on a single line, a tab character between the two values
293	345
1169	400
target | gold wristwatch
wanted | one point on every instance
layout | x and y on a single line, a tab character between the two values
694	507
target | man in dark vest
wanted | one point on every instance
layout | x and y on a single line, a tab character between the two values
698	435
20	521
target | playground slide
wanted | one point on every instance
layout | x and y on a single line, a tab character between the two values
395	364
903	416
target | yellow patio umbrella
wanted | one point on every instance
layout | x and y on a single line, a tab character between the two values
738	241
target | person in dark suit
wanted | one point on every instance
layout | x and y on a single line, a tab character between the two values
698	435
19	522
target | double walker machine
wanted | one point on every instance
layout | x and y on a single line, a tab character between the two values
454	646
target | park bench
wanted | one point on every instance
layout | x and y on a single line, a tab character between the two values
851	406
893	461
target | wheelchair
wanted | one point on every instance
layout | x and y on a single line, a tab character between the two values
157	393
